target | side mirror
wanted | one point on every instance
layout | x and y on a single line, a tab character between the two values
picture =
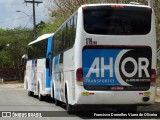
24	59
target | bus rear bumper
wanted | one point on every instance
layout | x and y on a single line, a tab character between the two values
117	97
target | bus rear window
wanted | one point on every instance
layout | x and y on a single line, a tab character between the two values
117	21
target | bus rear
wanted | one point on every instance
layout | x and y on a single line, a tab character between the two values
117	62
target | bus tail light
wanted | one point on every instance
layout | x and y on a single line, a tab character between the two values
84	7
153	77
79	76
117	6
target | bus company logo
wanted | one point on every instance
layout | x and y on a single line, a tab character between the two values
117	67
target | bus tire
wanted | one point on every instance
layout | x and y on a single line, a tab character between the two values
57	102
40	97
30	93
69	108
53	100
26	85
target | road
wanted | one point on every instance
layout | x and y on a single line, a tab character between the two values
16	99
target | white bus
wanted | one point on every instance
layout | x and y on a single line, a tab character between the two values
105	54
38	67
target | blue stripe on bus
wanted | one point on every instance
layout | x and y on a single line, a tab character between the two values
92	62
49	50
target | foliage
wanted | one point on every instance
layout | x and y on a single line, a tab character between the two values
13	45
157	12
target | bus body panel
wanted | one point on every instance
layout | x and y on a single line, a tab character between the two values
36	71
113	97
49	69
63	74
37	74
73	60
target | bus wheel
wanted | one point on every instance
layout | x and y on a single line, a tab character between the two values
53	100
26	85
40	97
30	93
57	102
69	108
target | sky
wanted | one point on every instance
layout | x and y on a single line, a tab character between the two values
10	19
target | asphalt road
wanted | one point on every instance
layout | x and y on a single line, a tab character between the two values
15	99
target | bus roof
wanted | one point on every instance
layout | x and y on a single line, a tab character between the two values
42	37
130	4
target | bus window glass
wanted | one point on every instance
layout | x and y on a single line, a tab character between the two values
58	41
67	34
71	31
75	25
41	49
38	50
64	37
119	21
30	52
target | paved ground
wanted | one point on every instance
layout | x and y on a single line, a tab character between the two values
14	98
11	85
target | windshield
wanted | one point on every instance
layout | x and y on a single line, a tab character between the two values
125	20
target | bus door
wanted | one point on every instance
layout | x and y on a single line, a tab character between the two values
59	77
33	74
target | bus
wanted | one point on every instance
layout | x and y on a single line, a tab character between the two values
105	54
38	66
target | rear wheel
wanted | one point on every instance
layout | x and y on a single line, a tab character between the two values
30	93
53	100
69	108
40	97
57	102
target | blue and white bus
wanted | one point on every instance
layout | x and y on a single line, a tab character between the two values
105	54
38	67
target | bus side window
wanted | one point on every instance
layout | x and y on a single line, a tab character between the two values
68	34
74	29
58	42
63	37
30	52
71	31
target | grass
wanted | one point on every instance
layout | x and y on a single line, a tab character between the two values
12	82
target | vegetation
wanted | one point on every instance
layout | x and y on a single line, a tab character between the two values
13	45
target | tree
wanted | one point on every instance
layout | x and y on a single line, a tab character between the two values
13	44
